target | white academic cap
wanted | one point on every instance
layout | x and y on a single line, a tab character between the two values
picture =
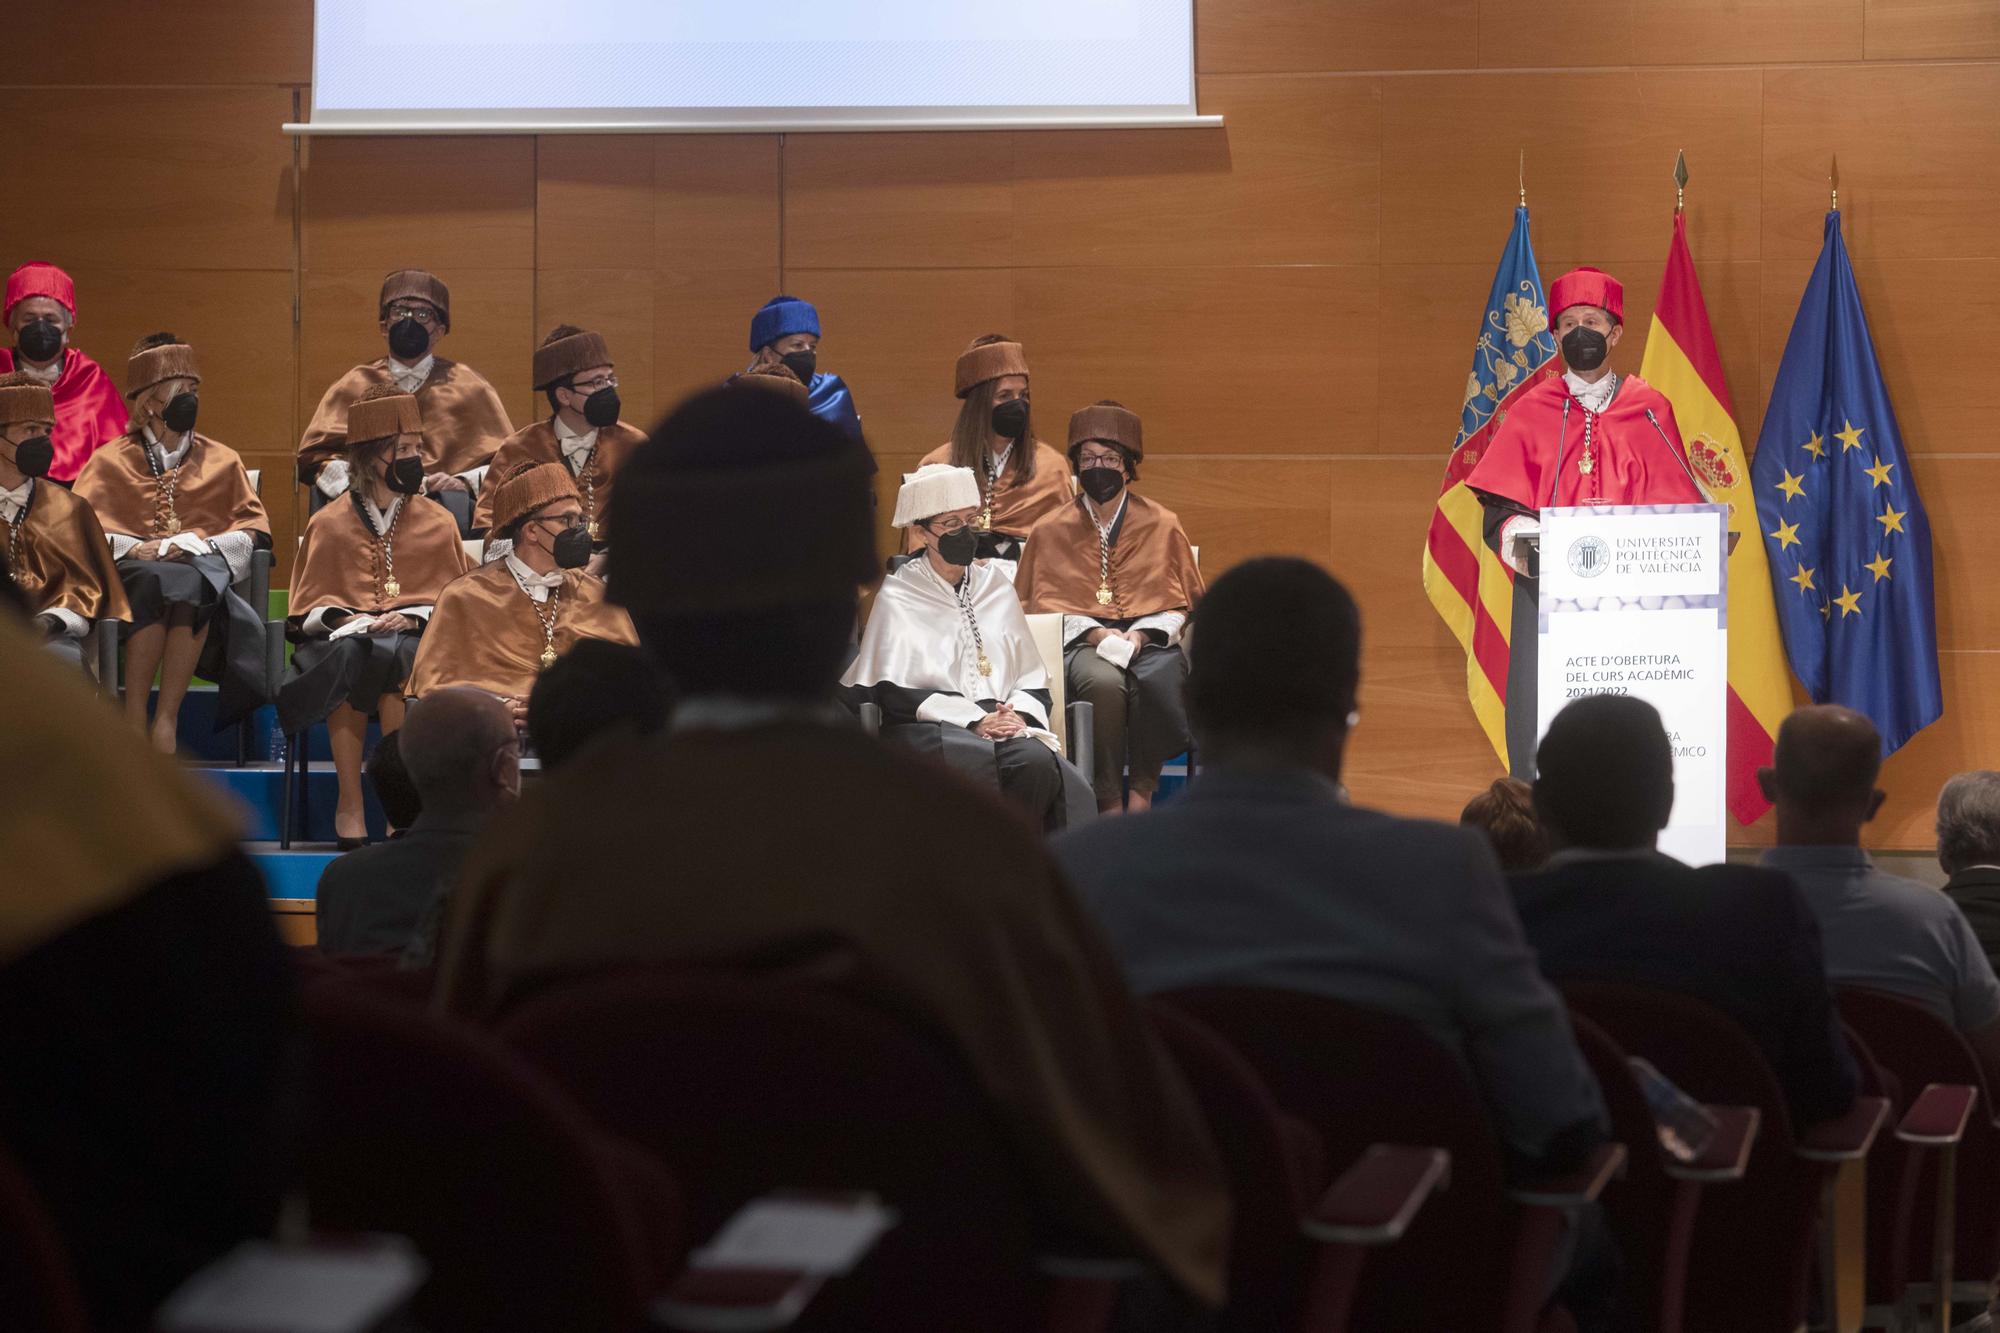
935	488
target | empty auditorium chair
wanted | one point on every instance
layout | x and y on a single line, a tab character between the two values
1653	1210
1296	1252
38	1292
744	1086
1954	1223
1478	1256
1754	1243
529	1217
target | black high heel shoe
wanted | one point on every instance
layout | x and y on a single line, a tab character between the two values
350	844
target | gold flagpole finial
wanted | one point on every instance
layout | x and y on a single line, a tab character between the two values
1521	177
1680	180
1833	184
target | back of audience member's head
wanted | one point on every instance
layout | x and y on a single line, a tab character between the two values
462	752
596	688
1604	775
1822	775
1968	821
401	803
759	534
1274	663
1505	813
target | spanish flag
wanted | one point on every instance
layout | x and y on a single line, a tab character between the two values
1681	362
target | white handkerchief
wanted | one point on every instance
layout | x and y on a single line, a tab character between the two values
332	479
186	541
1116	650
355	625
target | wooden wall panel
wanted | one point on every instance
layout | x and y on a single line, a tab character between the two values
176	178
445	204
1246	507
1745	32
1919	150
1962	494
1966	737
594	205
701	327
1933	29
716	202
1572	34
1267	36
120	42
899	200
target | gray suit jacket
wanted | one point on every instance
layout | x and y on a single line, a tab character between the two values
1272	880
371	899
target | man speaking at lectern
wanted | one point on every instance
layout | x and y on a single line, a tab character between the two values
1586	437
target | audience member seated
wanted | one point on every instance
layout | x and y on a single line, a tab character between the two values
1505	813
1968	849
146	1043
574	371
393	789
785	331
1879	930
464	758
40	313
1610	907
57	555
499	626
1262	875
769	834
464	419
598	689
184	522
1120	571
948	657
369	572
1021	480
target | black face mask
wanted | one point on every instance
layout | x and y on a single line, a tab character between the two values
571	547
39	340
802	364
958	548
408	340
601	408
179	414
406	476
1584	349
1101	483
35	456
1010	419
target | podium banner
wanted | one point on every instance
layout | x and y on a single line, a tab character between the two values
1634	601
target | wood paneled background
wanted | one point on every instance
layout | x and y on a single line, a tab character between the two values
1289	301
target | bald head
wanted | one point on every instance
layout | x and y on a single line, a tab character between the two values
461	752
1822	777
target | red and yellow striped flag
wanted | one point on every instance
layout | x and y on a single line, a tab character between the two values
1681	362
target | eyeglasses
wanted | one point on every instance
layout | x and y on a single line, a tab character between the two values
1088	458
944	527
423	314
563	521
593	385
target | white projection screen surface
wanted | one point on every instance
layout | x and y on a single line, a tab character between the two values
431	66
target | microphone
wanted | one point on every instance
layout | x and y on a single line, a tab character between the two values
1680	455
1562	439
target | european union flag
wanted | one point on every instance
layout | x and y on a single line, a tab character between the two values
1849	542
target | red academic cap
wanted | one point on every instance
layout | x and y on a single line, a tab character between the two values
1587	286
37	278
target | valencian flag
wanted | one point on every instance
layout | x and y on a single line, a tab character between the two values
1849	541
1463	576
1681	362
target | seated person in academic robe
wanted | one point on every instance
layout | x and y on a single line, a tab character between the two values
57	556
40	313
948	657
464	419
369	573
583	433
767	834
1612	908
147	1021
1021	480
183	522
1120	571
785	331
500	626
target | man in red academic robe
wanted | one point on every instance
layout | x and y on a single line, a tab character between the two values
40	312
1588	436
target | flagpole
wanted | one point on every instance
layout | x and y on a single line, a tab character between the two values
1521	177
1680	180
1833	184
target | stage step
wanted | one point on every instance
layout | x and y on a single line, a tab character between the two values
259	789
291	877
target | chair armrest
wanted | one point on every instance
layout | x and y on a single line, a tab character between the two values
1082	732
871	718
1607	1160
1849	1138
764	1267
1939	1115
1375	1200
746	1299
1727	1156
